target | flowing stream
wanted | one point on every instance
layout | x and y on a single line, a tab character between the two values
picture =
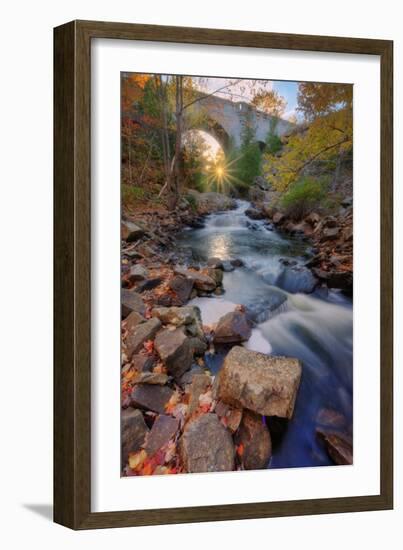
317	328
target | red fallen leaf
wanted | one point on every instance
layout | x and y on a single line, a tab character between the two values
149	346
172	471
240	449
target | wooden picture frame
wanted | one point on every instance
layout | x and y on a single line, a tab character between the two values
72	270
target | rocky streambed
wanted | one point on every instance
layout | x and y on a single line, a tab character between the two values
234	354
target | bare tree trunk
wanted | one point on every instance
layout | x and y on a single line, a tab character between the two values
146	161
175	176
130	159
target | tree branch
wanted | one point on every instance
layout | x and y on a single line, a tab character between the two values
328	148
212	93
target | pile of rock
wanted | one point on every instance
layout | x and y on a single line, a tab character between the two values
332	237
176	415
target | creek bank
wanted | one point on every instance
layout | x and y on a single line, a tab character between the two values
331	235
172	403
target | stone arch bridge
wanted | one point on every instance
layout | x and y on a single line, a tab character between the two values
225	120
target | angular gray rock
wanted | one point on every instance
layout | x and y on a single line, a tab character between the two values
278	217
134	431
206	446
264	384
215	263
200	383
232	328
133	320
182	286
152	378
198	345
175	350
255	439
297	279
339	447
164	428
131	301
138	273
330	233
254	214
200	281
143	363
130	231
151	397
180	316
216	274
140	334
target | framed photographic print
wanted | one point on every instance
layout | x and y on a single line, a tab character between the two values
223	275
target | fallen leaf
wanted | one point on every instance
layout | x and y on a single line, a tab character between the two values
149	346
240	449
136	460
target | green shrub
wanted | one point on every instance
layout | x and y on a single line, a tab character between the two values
192	201
273	144
248	165
305	195
132	193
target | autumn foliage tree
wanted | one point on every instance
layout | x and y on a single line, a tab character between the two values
326	133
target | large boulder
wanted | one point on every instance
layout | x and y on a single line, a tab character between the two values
175	350
151	397
137	336
131	301
206	446
131	232
200	281
232	328
254	438
297	279
265	384
134	431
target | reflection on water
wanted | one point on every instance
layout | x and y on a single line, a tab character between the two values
317	330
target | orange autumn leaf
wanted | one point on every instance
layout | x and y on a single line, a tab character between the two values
240	449
170	406
147	470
